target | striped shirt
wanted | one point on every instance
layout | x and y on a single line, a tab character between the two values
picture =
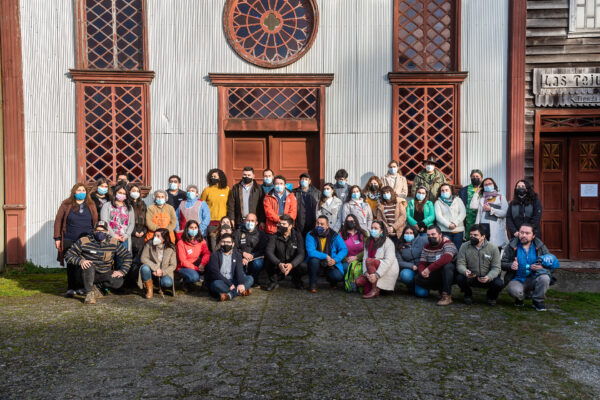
435	257
389	212
105	256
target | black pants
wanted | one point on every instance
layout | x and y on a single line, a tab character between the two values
440	279
275	274
494	286
74	280
91	277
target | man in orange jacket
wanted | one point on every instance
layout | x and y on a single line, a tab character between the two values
277	202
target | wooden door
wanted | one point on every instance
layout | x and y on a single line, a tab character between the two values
584	179
245	151
554	191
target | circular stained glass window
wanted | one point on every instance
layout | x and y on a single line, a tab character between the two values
271	33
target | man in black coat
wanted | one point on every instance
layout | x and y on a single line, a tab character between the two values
251	242
224	273
285	254
245	197
307	197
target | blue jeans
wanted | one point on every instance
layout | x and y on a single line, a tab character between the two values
254	267
407	276
456	238
334	275
189	275
146	272
218	287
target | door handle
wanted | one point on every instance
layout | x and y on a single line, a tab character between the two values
572	203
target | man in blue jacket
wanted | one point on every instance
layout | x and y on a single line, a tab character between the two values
325	249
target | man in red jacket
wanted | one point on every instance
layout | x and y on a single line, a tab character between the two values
277	202
436	267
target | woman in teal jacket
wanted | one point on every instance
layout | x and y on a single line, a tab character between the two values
420	210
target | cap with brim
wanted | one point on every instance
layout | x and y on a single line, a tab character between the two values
432	160
102	224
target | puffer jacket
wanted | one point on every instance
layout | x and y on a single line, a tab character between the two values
510	252
409	254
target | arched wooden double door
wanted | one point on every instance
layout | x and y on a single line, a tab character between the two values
288	154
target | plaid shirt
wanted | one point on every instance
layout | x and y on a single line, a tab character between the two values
104	255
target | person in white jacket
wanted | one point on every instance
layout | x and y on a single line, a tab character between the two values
356	205
330	206
450	213
491	209
395	180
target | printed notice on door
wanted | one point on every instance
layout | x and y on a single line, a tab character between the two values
589	190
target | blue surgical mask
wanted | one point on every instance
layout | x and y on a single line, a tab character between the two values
327	192
289	186
320	230
489	188
445	195
387	196
304	183
375	233
420	196
341	183
355	196
192	232
160	202
192	195
173	186
268	181
80	196
393	171
102	191
279	188
409	238
250	226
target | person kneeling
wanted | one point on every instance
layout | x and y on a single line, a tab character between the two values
96	254
225	272
436	267
285	254
478	265
380	270
159	260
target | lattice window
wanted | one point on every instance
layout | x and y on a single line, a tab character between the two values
588	157
571	122
551	159
114	34
426	126
273	103
425	34
114	129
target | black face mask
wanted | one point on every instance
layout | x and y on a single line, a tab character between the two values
475	181
433	241
350	224
246	179
100	236
213	181
474	241
226	248
282	230
521	192
374	187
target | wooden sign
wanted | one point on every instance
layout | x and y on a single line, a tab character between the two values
566	87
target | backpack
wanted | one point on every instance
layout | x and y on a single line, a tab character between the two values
355	269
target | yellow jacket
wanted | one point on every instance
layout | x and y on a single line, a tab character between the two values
217	201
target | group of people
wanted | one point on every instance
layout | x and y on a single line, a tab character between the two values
364	239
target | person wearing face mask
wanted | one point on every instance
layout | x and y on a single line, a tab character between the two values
267	184
160	215
120	216
354	238
225	275
372	192
525	207
214	237
174	193
491	209
159	260
450	213
216	195
391	210
342	188
277	202
408	254
307	197
139	230
326	249
245	197
420	209
395	180
192	209
192	255
466	195
251	242
478	265
75	218
437	266
356	206
380	267
330	206
431	178
96	254
101	193
285	254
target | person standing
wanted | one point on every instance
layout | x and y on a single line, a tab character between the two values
278	202
450	213
360	209
466	195
392	212
139	230
192	209
342	188
420	210
307	197
395	180
246	197
101	193
525	207
216	195
330	206
431	178
76	218
160	215
372	192
285	255
174	193
120	216
325	249
267	184
491	209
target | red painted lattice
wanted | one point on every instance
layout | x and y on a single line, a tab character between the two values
425	35
114	131
114	34
273	103
570	122
426	127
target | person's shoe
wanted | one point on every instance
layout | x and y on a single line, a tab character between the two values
372	294
518	303
148	285
468	300
98	293
90	298
313	288
539	305
446	300
247	292
491	302
225	297
80	292
69	293
272	286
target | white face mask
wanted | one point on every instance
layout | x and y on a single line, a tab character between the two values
429	167
134	195
156	241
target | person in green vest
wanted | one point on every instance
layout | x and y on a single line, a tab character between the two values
431	178
466	194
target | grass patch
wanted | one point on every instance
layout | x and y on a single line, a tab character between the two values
30	279
580	304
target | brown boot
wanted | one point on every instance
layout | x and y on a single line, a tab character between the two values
247	292
149	289
373	293
446	300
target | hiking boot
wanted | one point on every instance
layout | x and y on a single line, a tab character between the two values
446	300
313	288
518	303
69	293
247	292
225	297
80	292
98	293
148	285
491	302
272	286
539	305
468	300
372	294
90	298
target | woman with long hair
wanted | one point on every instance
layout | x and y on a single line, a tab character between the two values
214	237
101	193
491	209
159	261
215	195
120	216
420	210
525	207
356	205
408	254
139	230
391	210
372	192
450	213
330	206
160	215
395	180
192	254
75	218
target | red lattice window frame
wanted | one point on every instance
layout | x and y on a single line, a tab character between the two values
273	103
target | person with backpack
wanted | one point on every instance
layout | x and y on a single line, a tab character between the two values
354	238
